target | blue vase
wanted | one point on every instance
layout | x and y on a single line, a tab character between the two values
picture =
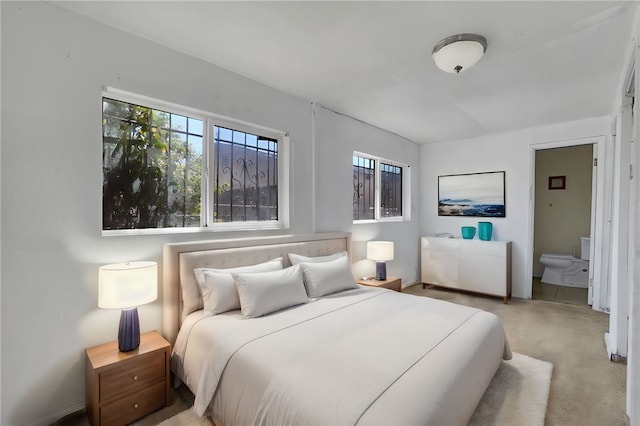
484	230
468	232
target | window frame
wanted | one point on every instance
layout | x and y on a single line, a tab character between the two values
210	120
364	193
406	190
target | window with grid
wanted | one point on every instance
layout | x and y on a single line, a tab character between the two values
152	167
156	162
390	190
364	188
377	189
246	178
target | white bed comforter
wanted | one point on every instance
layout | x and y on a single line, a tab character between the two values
366	356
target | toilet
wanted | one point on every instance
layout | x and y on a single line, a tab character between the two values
567	270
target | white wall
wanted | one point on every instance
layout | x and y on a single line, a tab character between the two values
54	65
511	152
633	360
337	137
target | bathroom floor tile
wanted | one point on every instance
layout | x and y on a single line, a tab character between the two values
558	293
573	295
546	291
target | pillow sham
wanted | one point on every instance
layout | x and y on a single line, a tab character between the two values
297	258
263	293
323	278
218	288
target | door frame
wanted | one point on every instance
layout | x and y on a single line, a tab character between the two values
600	228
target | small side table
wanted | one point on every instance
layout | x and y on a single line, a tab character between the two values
391	283
125	386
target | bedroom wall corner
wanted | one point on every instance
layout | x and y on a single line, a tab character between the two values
337	137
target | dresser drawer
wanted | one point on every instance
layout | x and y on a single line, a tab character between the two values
132	376
134	406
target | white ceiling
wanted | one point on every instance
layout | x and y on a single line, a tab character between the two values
546	62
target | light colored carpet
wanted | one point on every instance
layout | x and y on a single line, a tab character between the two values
517	395
187	418
586	388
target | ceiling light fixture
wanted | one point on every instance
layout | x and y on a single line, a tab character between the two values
459	52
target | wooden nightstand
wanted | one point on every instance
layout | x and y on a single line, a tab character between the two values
392	283
124	386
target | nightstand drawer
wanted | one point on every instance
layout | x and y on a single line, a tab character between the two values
134	406
132	376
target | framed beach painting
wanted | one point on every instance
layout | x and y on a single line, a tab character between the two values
473	194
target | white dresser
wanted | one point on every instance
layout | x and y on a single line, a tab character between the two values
471	265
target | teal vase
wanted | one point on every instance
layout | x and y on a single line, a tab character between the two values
468	232
485	229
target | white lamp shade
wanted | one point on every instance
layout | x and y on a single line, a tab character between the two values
456	53
126	285
380	251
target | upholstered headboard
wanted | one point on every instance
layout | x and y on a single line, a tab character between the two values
179	260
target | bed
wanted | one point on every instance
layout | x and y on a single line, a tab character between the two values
360	355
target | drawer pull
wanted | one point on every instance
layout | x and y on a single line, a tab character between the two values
135	377
135	405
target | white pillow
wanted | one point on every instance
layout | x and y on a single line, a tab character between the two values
218	289
323	278
297	258
262	293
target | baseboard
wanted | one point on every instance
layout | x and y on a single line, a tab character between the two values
53	419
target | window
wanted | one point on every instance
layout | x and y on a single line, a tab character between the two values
156	162
363	188
391	190
246	178
377	189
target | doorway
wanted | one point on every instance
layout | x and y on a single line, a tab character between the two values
564	193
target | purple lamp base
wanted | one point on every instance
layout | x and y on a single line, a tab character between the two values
381	271
129	331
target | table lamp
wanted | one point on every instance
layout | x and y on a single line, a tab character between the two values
380	251
126	286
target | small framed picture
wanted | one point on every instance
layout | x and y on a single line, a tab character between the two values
557	182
